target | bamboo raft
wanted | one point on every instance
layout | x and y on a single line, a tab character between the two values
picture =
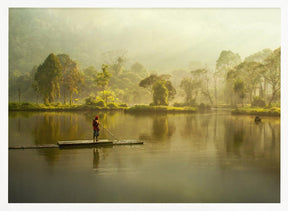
80	143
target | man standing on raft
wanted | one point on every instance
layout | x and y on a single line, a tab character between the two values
96	129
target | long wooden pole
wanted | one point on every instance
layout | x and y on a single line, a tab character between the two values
110	133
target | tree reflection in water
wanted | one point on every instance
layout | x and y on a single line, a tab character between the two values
96	158
162	128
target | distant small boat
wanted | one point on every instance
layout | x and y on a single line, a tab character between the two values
257	119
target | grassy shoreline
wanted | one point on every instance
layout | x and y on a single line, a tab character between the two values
41	107
160	109
134	109
274	111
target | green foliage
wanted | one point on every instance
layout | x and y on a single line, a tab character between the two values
259	56
201	80
239	88
258	102
226	61
102	79
161	88
47	78
191	89
139	69
148	82
29	27
160	93
123	105
112	105
203	107
271	73
159	109
118	65
94	101
71	79
274	111
13	106
176	104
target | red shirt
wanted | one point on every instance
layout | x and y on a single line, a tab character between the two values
95	124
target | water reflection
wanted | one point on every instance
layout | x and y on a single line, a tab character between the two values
230	157
162	128
96	158
244	137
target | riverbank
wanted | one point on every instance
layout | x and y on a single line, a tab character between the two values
274	111
160	109
134	109
59	107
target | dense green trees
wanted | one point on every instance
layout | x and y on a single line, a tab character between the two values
160	93
47	78
271	72
191	88
71	78
255	81
239	89
203	78
161	88
102	80
253	78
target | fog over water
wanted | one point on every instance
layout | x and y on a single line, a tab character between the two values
160	39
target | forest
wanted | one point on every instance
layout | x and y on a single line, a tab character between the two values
40	73
254	81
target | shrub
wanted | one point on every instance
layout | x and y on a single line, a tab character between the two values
13	105
202	106
93	101
56	104
179	104
28	105
258	102
90	100
111	105
99	103
123	105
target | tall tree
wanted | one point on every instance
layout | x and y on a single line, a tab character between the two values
89	86
153	79
139	69
102	79
160	93
271	72
48	77
239	89
248	72
226	61
203	78
71	77
259	56
191	89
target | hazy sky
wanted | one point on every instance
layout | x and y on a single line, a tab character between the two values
178	36
168	39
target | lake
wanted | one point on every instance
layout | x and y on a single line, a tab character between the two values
186	158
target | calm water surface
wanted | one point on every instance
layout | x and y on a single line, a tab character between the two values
198	158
